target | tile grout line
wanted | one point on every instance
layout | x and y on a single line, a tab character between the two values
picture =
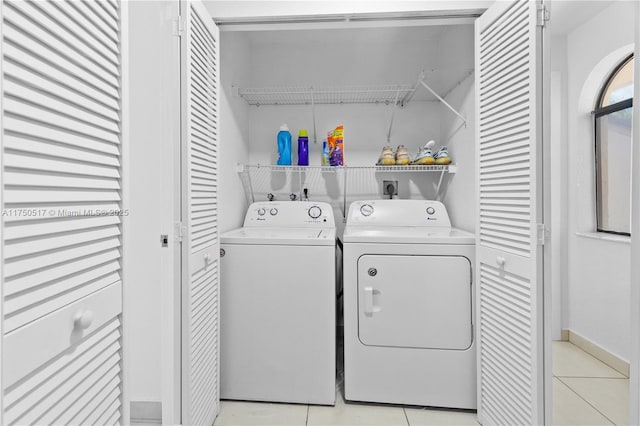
589	403
406	416
593	377
306	421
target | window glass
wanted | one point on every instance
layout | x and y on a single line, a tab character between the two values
613	137
620	86
614	183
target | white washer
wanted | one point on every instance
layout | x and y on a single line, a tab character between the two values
408	306
278	300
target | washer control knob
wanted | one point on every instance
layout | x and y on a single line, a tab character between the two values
273	211
315	212
366	210
261	212
430	210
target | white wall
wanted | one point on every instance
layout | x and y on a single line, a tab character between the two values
559	185
634	382
361	57
154	128
234	129
460	193
598	269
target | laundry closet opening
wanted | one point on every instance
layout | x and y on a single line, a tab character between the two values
388	86
365	79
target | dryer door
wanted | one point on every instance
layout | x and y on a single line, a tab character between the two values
415	301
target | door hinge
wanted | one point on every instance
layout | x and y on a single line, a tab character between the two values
178	26
542	233
181	231
542	16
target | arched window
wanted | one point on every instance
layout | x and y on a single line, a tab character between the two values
613	150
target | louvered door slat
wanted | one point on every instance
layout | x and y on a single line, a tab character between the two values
46	148
75	17
90	385
43	64
29	132
105	414
112	12
26	109
63	396
30	247
103	339
26	401
26	77
509	296
16	232
70	166
35	281
94	23
76	28
200	335
61	256
511	78
60	106
25	28
107	389
16	38
56	26
66	291
62	206
514	37
110	22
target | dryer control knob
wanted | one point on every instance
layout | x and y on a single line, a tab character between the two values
261	212
366	210
315	212
273	211
430	210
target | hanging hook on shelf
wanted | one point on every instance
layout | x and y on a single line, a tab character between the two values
313	112
393	112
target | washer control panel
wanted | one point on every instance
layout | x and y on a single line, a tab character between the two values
290	213
398	213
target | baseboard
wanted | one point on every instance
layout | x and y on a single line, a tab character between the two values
146	412
599	352
564	335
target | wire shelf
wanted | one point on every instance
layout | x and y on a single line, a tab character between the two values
409	168
450	168
388	94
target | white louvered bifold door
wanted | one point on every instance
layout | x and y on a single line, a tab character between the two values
201	248
509	290
61	207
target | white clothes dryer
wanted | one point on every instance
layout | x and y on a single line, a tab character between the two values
408	305
278	297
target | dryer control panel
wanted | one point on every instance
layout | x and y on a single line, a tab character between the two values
299	214
398	213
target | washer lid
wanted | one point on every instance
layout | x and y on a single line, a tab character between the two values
280	236
407	235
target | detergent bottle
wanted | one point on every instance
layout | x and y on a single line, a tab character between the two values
284	146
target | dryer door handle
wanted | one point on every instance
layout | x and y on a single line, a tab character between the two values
369	308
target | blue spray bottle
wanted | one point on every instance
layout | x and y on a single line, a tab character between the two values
284	146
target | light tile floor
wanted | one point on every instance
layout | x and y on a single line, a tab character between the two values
586	392
234	413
